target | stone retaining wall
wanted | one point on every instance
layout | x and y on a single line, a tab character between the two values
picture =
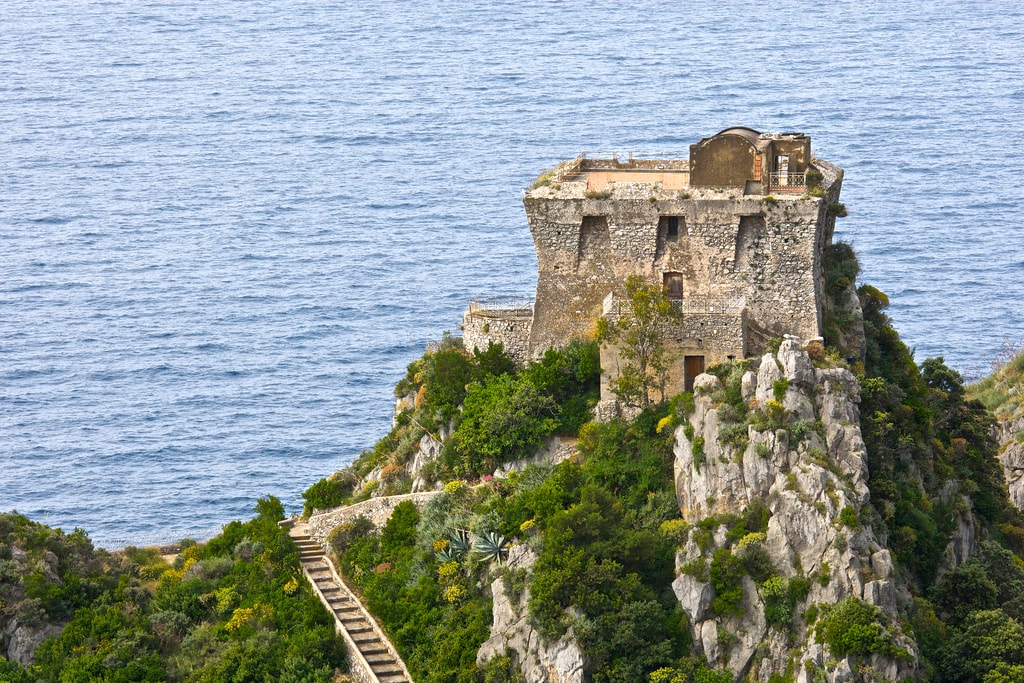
377	510
509	327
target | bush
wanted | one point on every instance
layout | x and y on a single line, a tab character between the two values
727	573
854	627
502	420
344	535
322	495
778	609
848	517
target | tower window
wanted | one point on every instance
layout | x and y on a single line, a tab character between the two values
672	227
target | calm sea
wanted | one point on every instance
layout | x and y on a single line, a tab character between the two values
226	227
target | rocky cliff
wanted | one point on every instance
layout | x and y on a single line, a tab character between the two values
1012	456
801	456
1001	393
798	457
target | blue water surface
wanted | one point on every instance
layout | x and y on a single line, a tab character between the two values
225	228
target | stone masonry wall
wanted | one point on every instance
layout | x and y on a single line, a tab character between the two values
509	327
716	337
377	510
767	250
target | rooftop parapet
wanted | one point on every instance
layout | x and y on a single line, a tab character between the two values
735	159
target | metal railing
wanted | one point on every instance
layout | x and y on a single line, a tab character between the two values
787	181
520	304
565	170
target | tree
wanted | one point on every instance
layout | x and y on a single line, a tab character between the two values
988	639
638	334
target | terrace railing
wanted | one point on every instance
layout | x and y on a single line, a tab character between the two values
787	182
502	305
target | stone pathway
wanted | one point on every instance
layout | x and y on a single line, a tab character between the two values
371	656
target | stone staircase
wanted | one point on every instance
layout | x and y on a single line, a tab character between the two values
369	648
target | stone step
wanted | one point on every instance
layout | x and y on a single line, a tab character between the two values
378	657
346	610
386	669
349	616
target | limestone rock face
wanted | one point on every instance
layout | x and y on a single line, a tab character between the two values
19	637
429	449
558	662
804	458
1012	457
554	450
23	639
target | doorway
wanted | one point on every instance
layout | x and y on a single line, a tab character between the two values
692	366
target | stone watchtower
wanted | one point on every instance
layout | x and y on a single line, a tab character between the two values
736	235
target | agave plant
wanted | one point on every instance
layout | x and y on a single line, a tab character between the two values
491	546
445	555
460	542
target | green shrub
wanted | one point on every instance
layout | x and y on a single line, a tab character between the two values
676	530
756	560
502	420
779	388
324	494
726	574
778	609
698	453
734	434
813	177
854	627
848	517
447	372
344	535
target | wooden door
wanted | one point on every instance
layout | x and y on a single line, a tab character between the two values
692	366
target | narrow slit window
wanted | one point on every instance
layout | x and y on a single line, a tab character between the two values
671	227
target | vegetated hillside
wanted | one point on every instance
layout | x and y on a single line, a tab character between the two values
1002	392
932	459
233	609
563	570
